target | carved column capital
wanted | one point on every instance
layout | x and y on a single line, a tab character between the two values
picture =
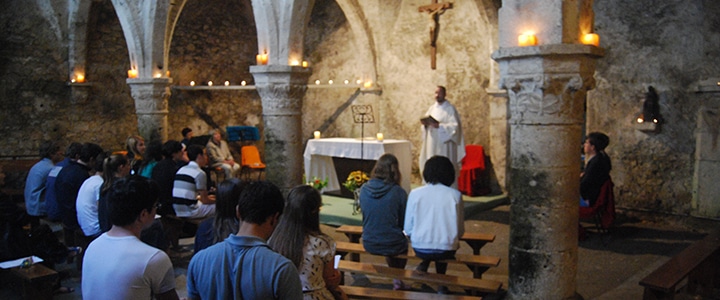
546	98
151	106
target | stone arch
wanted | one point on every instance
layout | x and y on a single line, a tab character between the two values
281	28
364	39
78	14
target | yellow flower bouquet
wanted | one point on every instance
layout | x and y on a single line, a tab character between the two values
355	180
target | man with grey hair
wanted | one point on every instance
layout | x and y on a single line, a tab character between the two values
220	156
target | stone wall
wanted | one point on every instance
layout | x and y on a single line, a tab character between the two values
669	45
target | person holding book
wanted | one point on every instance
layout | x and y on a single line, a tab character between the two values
442	132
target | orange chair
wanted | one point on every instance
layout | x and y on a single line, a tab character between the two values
603	211
473	181
251	161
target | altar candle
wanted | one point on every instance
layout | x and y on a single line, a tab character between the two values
380	137
527	39
316	134
132	73
591	39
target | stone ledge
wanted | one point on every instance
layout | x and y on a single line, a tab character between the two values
547	50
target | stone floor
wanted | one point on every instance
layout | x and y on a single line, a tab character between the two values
609	266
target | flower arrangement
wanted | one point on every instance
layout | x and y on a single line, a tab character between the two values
355	180
317	183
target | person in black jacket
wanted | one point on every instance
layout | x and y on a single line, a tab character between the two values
597	167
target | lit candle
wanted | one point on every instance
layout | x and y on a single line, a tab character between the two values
72	80
304	64
262	59
157	75
209	83
330	81
80	78
527	39
294	62
243	83
192	83
227	83
317	82
367	84
316	134
640	120
347	81
591	39
380	137
167	73
132	73
359	81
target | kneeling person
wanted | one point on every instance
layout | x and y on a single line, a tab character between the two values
117	264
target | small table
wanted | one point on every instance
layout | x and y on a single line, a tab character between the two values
319	153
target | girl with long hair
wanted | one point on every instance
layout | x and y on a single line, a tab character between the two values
298	237
135	146
225	222
114	167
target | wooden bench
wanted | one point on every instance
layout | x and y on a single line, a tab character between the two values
35	282
475	240
699	263
469	284
478	264
358	292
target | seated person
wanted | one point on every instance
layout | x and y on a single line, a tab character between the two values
434	219
597	167
225	222
35	184
164	173
187	134
117	264
190	193
220	155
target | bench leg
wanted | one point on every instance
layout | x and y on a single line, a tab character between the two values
354	238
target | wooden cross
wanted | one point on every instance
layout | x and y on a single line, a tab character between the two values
434	10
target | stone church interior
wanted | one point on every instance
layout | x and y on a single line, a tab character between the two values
529	78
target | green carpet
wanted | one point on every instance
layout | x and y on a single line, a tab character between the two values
337	211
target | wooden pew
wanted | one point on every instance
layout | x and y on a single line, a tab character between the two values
699	263
475	240
356	292
35	282
478	264
470	284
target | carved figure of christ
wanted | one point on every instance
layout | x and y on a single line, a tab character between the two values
434	10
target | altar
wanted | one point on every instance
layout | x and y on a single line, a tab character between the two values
319	153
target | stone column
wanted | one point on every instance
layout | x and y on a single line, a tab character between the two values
546	88
282	89
707	150
498	148
151	106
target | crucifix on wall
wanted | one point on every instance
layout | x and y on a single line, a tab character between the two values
434	10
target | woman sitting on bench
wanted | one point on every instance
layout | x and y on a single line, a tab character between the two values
298	237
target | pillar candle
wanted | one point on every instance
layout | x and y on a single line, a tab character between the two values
591	39
132	73
527	40
380	137
304	64
316	134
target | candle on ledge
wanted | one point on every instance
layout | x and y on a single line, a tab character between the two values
192	83
262	59
527	39
359	81
317	82
367	84
294	62
304	64
330	81
243	83
209	83
380	137
346	81
157	75
227	83
316	134
79	78
591	39
132	73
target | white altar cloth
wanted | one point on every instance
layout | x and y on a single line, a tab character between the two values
319	153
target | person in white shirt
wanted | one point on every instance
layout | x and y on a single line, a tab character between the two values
117	264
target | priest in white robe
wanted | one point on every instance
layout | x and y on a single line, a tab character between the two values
442	133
